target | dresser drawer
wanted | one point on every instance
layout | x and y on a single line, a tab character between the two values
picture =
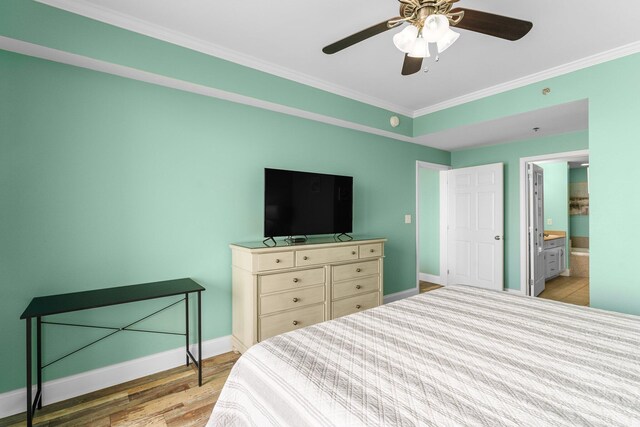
355	304
291	299
291	280
354	271
371	250
274	261
290	320
326	255
355	287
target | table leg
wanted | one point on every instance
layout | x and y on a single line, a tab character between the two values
29	412
186	312
199	338
39	359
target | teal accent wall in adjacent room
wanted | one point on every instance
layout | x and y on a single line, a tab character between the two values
429	233
580	174
556	198
579	224
106	181
510	155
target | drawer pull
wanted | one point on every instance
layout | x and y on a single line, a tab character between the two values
372	250
277	261
358	286
353	252
358	270
295	322
296	280
296	300
358	306
305	257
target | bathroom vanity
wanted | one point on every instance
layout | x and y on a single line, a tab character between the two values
554	249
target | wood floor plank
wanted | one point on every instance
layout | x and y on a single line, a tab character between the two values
170	397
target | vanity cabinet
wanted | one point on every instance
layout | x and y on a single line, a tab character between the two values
554	257
287	287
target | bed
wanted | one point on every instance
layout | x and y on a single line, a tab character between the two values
456	356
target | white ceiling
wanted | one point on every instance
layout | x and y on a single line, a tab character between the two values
569	117
285	37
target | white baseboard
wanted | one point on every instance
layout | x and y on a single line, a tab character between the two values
400	295
515	291
566	273
425	277
14	402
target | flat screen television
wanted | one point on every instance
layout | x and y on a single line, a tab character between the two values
305	203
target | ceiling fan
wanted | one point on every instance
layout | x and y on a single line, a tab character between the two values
429	22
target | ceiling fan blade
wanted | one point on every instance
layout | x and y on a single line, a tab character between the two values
358	37
493	25
411	65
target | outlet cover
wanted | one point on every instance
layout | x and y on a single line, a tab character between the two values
407	219
549	221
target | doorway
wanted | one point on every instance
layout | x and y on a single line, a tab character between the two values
554	227
430	212
460	226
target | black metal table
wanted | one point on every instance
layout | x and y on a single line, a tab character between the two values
65	303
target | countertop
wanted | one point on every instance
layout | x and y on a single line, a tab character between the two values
552	235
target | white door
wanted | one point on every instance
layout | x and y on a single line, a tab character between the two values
475	235
535	178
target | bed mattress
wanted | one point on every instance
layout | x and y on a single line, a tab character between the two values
456	356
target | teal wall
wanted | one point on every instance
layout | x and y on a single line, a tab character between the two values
580	174
106	181
510	155
429	208
556	198
37	23
579	224
614	105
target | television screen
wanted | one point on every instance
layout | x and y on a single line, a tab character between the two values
304	203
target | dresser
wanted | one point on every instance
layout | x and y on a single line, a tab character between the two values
285	287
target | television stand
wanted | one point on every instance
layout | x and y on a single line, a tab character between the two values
287	287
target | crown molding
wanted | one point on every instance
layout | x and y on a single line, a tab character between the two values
158	32
177	38
569	67
55	55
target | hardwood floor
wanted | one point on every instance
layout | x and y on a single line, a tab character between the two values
169	398
427	286
572	290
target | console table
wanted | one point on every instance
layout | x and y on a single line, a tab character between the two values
65	303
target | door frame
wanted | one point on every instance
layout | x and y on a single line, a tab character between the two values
443	213
524	208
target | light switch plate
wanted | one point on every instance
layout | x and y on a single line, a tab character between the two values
407	219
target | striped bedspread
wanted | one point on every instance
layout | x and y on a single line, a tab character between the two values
456	356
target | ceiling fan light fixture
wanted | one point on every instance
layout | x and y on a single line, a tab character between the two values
435	26
420	48
447	40
404	40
